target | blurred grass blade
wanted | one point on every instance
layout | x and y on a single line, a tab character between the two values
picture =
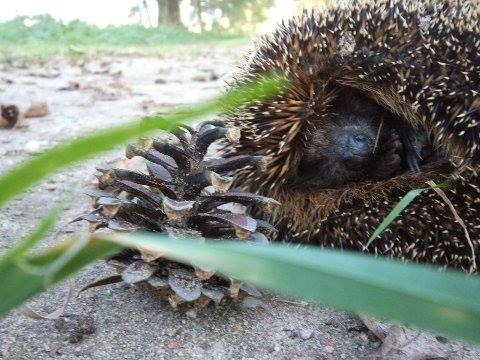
33	170
418	295
24	278
402	204
42	230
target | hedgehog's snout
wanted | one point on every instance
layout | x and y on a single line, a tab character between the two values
358	146
355	147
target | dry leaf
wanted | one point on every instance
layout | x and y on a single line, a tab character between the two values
38	109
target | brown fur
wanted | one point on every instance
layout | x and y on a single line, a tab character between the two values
322	203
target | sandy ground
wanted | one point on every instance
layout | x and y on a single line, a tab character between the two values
120	322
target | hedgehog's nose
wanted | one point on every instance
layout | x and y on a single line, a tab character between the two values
358	148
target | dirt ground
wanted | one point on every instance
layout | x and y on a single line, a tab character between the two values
117	321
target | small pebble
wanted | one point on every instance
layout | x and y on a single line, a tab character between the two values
33	147
209	76
172	332
305	334
251	303
192	314
329	349
51	186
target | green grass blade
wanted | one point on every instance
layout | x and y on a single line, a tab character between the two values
401	205
34	169
46	225
22	279
418	295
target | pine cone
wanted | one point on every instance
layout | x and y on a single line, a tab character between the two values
181	194
9	116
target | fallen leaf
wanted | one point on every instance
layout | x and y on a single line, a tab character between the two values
74	86
38	109
400	342
46	74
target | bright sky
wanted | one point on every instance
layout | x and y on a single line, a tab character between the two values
99	12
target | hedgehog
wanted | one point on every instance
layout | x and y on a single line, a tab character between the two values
418	63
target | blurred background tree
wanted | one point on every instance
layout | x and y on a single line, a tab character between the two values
205	15
312	4
168	12
232	15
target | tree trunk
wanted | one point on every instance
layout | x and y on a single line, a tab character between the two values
169	12
198	9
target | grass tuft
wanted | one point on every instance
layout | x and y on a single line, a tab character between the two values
42	37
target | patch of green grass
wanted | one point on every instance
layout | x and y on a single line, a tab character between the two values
45	37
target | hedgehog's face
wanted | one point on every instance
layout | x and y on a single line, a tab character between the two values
354	144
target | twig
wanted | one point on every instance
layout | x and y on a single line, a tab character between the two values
377	137
29	312
442	194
